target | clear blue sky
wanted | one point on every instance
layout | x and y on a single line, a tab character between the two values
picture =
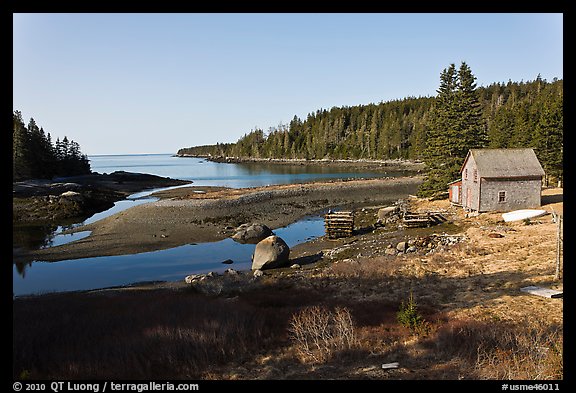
153	83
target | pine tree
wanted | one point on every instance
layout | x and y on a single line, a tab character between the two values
21	166
465	114
35	146
549	141
471	129
34	155
501	125
442	154
455	127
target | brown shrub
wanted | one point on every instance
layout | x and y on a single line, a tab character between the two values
532	351
440	259
318	333
366	267
528	350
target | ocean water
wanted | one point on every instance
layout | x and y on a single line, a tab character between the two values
173	264
206	173
165	265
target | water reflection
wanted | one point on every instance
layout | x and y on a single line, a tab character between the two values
165	265
65	238
32	237
251	174
21	266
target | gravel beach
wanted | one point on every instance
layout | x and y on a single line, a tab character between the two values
204	214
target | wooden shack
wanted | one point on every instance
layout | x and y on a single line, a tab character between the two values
501	180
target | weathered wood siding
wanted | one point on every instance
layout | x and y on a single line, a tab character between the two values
470	189
516	173
520	194
455	192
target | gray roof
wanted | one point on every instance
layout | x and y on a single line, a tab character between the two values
506	162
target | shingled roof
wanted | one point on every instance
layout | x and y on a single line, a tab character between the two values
506	163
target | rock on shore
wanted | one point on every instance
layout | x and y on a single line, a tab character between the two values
251	233
79	196
271	253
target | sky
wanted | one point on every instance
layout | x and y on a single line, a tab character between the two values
154	83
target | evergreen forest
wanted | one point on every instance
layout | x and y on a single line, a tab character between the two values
437	130
36	156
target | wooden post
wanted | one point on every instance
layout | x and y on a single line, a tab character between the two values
559	243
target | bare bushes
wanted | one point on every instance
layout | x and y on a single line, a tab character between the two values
319	333
528	350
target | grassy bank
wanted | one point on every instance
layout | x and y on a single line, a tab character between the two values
336	318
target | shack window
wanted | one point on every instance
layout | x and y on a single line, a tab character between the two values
502	196
475	176
466	174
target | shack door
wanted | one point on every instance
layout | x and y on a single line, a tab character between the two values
455	194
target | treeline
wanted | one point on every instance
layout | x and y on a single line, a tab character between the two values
375	131
512	114
35	156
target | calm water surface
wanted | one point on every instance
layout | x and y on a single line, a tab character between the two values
176	263
207	173
165	265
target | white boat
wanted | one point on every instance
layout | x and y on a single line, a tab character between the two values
523	214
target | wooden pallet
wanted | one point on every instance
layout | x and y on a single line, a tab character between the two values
339	224
419	220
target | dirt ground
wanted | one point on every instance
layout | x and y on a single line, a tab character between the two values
484	274
477	280
524	256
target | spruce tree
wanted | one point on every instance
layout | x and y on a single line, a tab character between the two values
549	141
441	153
471	131
456	126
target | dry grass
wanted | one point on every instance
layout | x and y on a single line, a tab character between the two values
530	350
136	335
334	322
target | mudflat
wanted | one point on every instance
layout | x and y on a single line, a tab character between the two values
203	214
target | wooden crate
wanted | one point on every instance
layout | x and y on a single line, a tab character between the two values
339	224
426	219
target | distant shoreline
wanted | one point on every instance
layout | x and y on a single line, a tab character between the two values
415	165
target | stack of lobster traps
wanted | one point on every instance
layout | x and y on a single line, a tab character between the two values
339	224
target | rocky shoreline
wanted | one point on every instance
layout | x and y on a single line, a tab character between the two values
40	206
466	276
398	164
204	214
77	196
